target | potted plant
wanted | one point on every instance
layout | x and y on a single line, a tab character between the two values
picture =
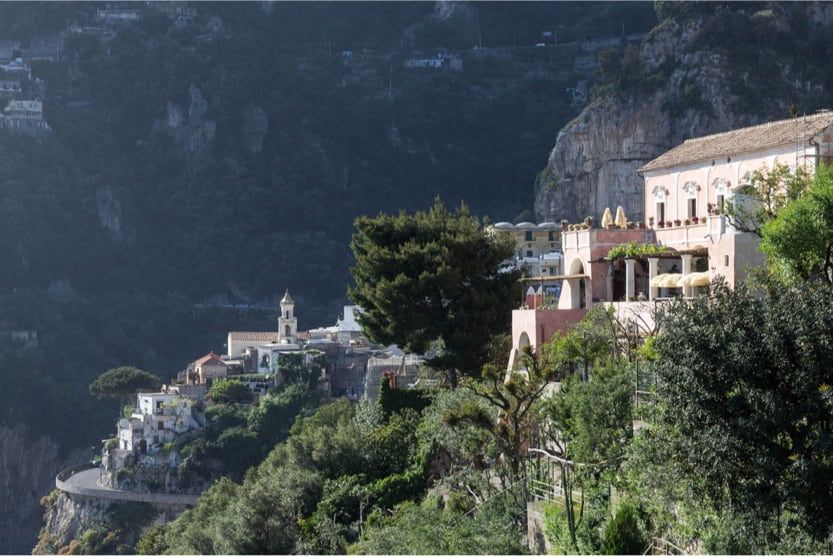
668	223
694	220
687	222
589	221
564	225
641	225
650	221
678	222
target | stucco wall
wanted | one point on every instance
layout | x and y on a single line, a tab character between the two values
707	173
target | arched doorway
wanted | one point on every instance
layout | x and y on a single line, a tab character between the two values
575	290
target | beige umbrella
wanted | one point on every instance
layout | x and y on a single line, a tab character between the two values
621	219
607	219
695	279
666	281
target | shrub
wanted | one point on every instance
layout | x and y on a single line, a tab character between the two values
623	534
225	391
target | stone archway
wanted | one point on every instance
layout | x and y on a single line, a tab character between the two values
575	291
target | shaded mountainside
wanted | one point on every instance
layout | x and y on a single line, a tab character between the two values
225	156
695	77
27	472
220	156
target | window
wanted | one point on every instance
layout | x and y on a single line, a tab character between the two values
529	254
528	236
160	425
726	260
660	195
551	236
721	189
691	189
661	212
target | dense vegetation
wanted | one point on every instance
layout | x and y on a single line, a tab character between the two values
732	454
446	270
224	159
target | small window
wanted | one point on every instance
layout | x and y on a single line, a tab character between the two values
551	236
692	208
721	201
160	425
529	254
528	236
661	212
726	260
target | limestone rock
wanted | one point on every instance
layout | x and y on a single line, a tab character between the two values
596	156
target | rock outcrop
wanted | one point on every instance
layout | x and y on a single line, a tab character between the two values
685	93
27	472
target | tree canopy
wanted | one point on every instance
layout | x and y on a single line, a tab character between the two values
228	390
432	278
123	382
745	394
798	241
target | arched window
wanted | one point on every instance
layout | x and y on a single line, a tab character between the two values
660	195
721	190
691	189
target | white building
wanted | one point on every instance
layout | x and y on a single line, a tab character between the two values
157	420
117	15
287	322
16	66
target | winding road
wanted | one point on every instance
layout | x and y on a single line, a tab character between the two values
82	480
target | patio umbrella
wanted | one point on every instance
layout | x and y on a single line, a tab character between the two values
666	281
698	279
621	219
607	219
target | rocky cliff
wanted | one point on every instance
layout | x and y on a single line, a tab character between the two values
78	525
27	473
697	78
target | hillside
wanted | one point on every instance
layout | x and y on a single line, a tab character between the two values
219	155
693	76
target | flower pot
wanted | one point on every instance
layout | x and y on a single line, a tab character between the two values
678	223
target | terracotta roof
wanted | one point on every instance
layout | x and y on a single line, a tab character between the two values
254	336
209	357
747	139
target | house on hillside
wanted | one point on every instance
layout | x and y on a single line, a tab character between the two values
206	369
157	420
686	190
10	87
537	247
24	116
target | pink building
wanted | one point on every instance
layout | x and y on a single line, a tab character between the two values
685	192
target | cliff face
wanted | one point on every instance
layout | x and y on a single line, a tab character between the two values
689	89
78	525
27	472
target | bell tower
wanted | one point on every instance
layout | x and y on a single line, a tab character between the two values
287	323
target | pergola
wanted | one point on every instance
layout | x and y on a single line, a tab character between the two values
686	279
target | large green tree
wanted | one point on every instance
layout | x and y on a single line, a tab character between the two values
765	194
798	241
123	382
746	406
432	279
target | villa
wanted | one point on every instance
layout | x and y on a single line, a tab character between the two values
157	420
686	190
